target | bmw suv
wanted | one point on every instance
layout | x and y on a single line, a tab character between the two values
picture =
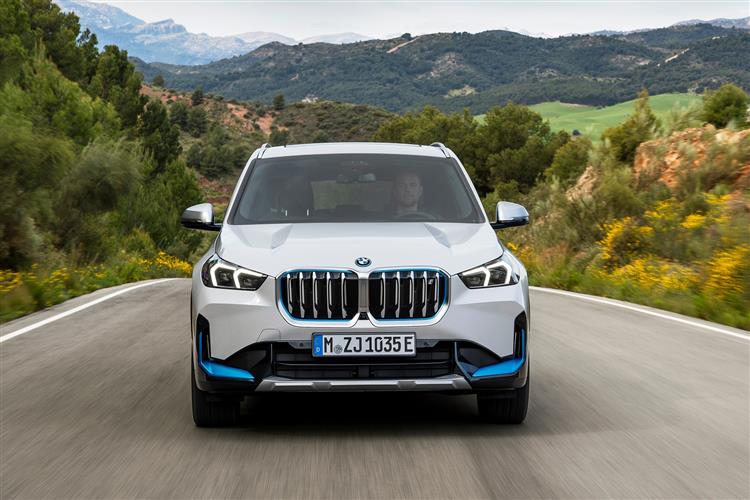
358	267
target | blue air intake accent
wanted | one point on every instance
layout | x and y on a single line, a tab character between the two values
507	367
214	369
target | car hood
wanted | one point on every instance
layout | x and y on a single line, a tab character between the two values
275	248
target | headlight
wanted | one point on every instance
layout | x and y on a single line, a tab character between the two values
495	273
217	273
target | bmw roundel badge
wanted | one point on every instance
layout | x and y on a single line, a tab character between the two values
363	261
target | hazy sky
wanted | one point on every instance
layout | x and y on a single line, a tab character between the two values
303	18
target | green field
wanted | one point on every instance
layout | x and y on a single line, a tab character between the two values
592	121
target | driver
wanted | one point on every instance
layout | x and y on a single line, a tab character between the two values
407	193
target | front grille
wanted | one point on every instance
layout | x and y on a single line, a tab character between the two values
320	295
429	362
407	294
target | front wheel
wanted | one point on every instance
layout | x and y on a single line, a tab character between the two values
210	410
509	410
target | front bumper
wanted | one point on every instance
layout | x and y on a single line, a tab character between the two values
484	331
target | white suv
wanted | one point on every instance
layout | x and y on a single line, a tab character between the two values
358	267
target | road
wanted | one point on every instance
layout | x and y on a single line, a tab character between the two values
97	405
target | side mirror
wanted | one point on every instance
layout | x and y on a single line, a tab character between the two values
200	217
509	214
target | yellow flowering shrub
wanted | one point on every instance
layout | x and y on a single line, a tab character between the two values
9	280
694	221
22	292
651	272
728	272
623	238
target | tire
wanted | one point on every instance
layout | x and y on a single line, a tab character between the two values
211	411
510	410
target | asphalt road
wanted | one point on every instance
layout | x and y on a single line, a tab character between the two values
97	405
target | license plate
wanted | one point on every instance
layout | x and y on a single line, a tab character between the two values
389	344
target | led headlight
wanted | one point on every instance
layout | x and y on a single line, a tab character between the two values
217	273
495	273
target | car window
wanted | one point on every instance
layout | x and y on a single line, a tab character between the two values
355	188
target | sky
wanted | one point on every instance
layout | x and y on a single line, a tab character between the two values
305	18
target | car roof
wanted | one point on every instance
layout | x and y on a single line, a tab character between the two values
325	148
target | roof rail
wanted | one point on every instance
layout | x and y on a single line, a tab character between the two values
263	147
442	148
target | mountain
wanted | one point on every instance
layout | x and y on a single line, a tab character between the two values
348	37
165	40
741	23
476	71
168	42
258	38
98	15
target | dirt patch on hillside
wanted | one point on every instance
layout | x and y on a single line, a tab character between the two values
164	95
585	184
668	160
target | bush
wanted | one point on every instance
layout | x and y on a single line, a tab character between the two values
727	104
197	98
570	161
640	127
197	121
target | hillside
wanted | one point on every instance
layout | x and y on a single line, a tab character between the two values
460	70
592	121
218	135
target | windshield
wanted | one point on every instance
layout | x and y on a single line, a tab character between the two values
355	188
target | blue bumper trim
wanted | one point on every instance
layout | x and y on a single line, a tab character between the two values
508	367
214	369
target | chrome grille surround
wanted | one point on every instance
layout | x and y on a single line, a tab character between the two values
319	295
386	296
407	294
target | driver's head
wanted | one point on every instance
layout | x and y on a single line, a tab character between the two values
407	191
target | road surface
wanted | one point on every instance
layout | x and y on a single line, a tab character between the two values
623	404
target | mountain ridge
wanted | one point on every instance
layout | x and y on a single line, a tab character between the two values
461	70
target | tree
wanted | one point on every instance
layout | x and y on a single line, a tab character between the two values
197	98
31	167
513	144
569	161
278	137
728	103
639	127
178	114
278	102
430	125
59	33
106	172
197	121
159	137
158	81
116	81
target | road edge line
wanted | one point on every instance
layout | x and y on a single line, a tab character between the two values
640	309
65	314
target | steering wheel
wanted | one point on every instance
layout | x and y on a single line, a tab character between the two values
417	215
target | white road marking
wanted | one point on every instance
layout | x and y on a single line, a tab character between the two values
642	311
64	314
